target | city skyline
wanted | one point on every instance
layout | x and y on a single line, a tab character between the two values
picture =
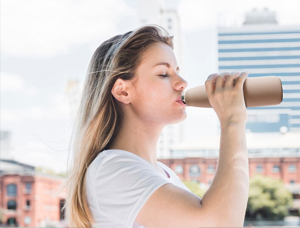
39	57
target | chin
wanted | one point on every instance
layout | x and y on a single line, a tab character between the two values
183	118
180	118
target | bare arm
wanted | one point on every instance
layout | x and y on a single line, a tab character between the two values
228	193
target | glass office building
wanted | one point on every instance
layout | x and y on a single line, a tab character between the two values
264	48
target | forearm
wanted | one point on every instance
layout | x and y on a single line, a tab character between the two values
228	193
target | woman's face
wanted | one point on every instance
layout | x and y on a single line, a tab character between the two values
154	96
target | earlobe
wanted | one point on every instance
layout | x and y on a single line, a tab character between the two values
119	91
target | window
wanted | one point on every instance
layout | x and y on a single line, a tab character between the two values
292	182
27	206
11	190
292	168
259	168
276	169
11	205
12	221
28	186
194	171
210	169
179	169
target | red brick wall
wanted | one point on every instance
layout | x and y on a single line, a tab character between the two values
267	164
47	205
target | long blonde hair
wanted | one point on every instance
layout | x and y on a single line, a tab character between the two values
100	116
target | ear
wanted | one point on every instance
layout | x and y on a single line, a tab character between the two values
120	91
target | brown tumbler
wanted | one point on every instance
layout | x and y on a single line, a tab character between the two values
259	91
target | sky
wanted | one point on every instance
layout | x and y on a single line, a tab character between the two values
46	43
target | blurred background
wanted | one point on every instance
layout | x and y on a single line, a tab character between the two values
46	47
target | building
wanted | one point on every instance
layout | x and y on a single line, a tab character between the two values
275	155
27	197
164	13
264	48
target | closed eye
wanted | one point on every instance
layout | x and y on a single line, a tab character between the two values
164	75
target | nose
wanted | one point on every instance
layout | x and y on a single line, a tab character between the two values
180	83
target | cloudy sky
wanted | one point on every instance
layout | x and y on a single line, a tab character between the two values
46	43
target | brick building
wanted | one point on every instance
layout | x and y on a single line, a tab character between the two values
27	197
202	169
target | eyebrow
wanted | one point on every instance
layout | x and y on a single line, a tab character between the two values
166	64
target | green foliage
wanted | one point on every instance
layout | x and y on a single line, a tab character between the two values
50	171
195	188
268	198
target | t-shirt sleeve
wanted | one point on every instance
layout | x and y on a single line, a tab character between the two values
123	184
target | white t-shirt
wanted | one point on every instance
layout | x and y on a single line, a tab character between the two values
118	184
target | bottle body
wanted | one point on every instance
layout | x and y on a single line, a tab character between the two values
259	91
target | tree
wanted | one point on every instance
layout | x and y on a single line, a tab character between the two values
268	198
50	171
195	188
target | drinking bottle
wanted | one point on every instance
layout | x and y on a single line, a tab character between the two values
258	91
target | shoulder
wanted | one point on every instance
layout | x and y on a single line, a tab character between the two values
114	159
120	166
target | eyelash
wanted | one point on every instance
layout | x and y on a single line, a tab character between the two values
164	75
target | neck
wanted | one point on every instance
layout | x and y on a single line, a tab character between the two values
138	138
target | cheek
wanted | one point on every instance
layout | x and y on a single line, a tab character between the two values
151	93
152	100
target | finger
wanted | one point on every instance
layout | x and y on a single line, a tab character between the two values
224	75
220	81
241	79
230	80
229	75
236	75
209	83
211	76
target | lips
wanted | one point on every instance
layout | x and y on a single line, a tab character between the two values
179	98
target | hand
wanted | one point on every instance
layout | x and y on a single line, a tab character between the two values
226	96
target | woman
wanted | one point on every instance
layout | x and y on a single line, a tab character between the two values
130	94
